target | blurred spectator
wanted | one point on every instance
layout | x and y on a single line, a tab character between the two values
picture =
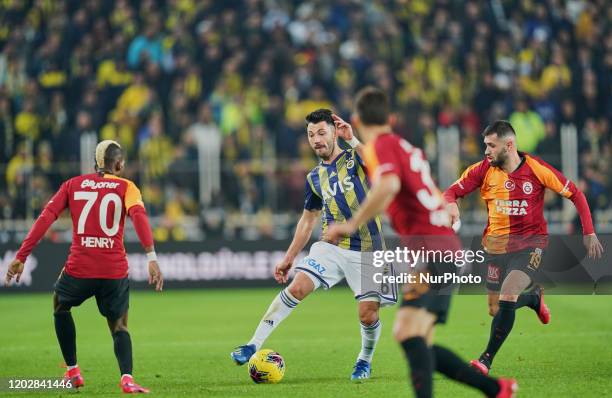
156	150
528	126
206	137
27	122
211	95
7	130
550	146
146	47
18	170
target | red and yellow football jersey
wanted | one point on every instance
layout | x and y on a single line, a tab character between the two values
515	202
417	211
98	206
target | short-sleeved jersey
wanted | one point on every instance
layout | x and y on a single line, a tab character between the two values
418	208
515	201
98	206
338	189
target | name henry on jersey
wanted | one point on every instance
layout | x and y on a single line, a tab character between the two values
99	185
97	242
511	207
345	186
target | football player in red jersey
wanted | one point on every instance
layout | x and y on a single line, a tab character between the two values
402	184
512	184
97	263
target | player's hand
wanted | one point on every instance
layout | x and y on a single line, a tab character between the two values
593	246
344	129
453	212
281	271
15	269
337	231
155	276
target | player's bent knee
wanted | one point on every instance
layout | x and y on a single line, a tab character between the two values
298	291
368	312
61	308
121	328
508	297
118	327
368	317
301	286
412	322
401	334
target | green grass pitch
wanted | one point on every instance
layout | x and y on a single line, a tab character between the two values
182	341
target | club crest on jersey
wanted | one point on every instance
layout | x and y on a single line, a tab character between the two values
509	185
350	164
527	187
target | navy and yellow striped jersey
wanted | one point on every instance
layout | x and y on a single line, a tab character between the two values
338	189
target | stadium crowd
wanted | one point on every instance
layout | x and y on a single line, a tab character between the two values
232	80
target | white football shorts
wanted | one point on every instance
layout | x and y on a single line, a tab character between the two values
327	264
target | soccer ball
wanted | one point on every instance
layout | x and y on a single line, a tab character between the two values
266	366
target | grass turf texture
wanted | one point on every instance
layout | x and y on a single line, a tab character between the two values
182	341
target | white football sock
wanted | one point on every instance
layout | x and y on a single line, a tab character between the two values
279	309
369	337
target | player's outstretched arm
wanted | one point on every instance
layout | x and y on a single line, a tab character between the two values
556	181
303	232
382	193
141	224
155	275
470	180
589	239
50	213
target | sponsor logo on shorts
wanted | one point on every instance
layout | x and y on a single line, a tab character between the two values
316	266
527	188
493	274
509	185
535	258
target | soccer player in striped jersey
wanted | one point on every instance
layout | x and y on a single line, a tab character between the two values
334	191
512	184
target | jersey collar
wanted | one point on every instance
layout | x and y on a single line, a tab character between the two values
333	163
523	159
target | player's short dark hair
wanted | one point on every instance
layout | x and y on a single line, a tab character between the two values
502	128
112	154
320	115
108	153
372	106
